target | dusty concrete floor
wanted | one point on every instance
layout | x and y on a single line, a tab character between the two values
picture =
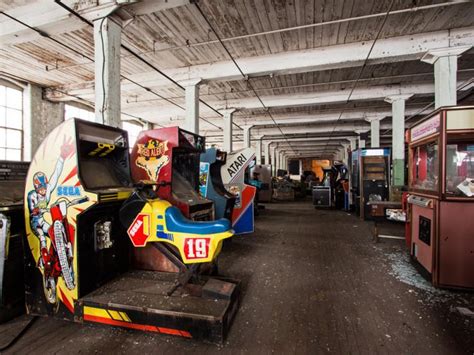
313	282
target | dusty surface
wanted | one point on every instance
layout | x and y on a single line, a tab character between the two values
313	282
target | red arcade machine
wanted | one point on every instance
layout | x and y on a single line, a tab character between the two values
171	156
441	196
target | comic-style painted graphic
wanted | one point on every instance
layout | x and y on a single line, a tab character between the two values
54	197
152	157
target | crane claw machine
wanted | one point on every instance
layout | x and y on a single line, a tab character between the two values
441	196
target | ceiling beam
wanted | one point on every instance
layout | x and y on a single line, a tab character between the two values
47	16
162	113
394	49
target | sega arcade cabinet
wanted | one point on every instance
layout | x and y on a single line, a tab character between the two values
233	177
171	156
441	196
211	185
83	220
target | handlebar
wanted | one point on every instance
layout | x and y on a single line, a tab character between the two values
78	201
141	185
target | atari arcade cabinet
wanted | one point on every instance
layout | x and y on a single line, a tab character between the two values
233	176
441	196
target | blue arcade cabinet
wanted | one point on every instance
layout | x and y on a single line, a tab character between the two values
211	185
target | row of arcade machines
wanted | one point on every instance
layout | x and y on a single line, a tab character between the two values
439	203
104	227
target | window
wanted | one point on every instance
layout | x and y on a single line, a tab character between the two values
71	111
460	167
133	130
425	169
11	123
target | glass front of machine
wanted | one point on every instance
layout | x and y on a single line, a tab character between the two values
460	166
425	169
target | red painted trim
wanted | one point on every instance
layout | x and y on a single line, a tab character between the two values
66	302
70	175
150	328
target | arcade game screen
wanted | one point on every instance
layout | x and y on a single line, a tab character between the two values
460	167
103	157
185	180
425	169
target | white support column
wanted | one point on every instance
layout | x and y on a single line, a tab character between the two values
398	137
192	105
361	141
374	131
227	145
353	143
107	38
267	152
345	154
259	150
445	62
274	159
247	135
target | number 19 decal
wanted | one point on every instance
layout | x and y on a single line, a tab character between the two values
196	248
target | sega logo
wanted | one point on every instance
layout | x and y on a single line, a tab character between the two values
68	191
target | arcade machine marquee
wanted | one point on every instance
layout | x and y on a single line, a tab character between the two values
78	254
171	155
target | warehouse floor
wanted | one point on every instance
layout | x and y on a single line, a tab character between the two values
313	282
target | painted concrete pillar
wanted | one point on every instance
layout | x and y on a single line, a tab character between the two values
107	39
267	152
274	159
259	150
374	132
361	139
40	117
353	143
191	94
227	145
247	135
445	62
345	153
398	137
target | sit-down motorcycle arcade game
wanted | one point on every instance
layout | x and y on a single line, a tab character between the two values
211	185
171	156
84	219
441	196
233	177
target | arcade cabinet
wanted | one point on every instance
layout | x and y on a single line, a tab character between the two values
370	177
83	219
211	185
441	196
171	155
323	194
12	231
233	174
265	176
